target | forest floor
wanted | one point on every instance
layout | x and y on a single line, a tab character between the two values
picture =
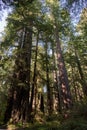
76	123
75	120
67	125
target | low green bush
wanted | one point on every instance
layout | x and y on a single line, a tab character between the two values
74	124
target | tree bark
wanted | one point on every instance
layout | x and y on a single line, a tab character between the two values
21	83
56	82
49	96
63	78
42	103
34	76
83	82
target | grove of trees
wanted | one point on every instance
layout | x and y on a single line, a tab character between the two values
43	61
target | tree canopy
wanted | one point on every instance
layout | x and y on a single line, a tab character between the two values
43	69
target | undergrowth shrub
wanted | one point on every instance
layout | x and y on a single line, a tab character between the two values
80	110
74	125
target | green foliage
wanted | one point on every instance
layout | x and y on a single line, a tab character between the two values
23	14
69	124
76	120
74	125
79	110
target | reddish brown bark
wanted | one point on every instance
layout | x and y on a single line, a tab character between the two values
18	102
63	78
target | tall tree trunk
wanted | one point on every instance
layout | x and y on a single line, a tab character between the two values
34	76
63	78
28	50
42	103
56	82
8	111
83	82
74	87
49	96
21	82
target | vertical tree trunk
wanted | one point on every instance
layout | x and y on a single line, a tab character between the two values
56	82
63	78
34	76
42	103
21	82
49	96
8	111
74	84
83	82
36	98
28	50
